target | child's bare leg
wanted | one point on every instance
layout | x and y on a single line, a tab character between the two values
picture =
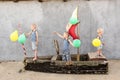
35	55
99	52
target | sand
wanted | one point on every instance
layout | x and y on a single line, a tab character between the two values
10	71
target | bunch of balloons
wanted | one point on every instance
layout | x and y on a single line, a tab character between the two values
76	43
96	42
14	37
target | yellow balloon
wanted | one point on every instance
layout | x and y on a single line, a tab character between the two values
96	42
14	36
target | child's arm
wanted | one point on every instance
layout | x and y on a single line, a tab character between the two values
36	38
71	43
28	34
59	35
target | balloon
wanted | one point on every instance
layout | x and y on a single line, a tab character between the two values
72	32
14	36
76	43
73	20
22	39
96	42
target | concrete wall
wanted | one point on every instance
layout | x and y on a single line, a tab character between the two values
53	16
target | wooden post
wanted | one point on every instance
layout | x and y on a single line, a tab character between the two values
56	47
78	49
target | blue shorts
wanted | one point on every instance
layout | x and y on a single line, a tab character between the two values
100	47
34	46
66	55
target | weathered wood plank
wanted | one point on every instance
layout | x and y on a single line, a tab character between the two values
94	56
56	46
58	66
54	58
80	63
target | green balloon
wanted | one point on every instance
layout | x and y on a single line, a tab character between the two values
73	20
22	39
76	43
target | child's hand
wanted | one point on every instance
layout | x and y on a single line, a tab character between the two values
26	34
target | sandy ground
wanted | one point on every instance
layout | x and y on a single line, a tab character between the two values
10	71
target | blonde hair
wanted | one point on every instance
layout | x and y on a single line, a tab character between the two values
34	26
100	30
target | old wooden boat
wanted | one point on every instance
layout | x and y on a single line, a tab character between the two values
88	63
54	64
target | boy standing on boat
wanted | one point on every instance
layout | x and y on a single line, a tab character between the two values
34	40
100	36
66	51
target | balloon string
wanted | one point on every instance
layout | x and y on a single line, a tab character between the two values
23	47
19	28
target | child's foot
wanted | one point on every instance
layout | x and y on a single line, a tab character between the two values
67	63
99	55
35	58
70	63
